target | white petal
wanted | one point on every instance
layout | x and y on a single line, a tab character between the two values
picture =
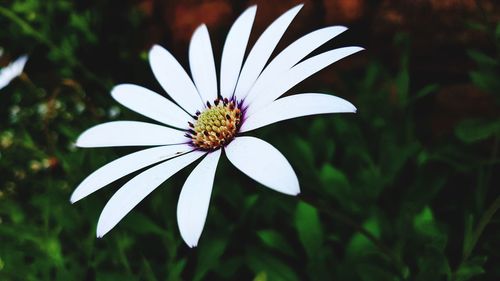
124	166
234	51
201	61
12	70
262	50
150	104
194	199
296	106
174	79
129	195
290	57
263	163
297	74
129	133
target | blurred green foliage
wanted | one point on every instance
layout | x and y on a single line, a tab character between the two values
379	201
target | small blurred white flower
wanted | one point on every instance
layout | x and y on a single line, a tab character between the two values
113	112
209	119
12	70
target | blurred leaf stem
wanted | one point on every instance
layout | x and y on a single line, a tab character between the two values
40	37
483	222
26	27
471	240
384	249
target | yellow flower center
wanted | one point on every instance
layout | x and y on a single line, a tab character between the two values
216	126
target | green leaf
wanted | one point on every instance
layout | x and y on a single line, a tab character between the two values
429	89
53	249
13	210
264	264
209	253
68	131
321	141
227	268
373	71
305	151
473	130
250	201
359	245
148	270
403	85
403	77
309	228
432	264
468	233
424	223
275	240
475	25
470	268
139	223
336	184
482	58
175	271
422	219
481	225
333	179
487	81
261	276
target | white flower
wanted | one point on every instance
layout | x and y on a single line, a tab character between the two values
12	70
208	119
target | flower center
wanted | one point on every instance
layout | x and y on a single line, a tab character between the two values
216	126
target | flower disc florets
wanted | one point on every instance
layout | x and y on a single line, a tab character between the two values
216	126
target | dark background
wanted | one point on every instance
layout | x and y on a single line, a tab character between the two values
406	189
